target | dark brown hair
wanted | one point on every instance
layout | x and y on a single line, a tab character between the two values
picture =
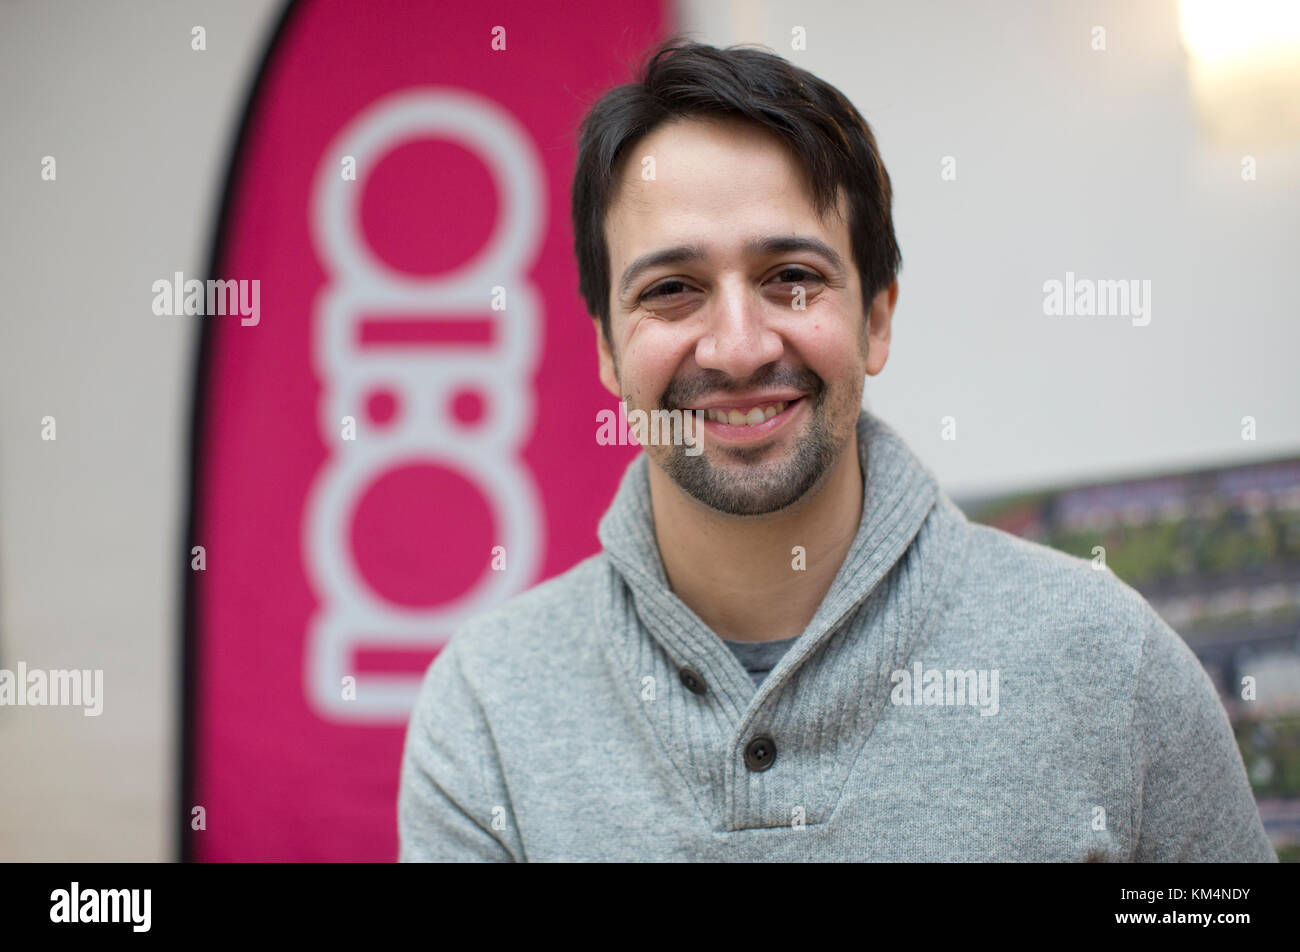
827	135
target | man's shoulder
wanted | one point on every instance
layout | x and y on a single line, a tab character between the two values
1053	591
1069	620
543	617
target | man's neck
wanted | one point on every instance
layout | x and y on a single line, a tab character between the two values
740	574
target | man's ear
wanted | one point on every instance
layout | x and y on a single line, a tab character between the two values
879	319
608	369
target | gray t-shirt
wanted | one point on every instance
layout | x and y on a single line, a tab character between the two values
760	657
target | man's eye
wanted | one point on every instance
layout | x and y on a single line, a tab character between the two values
801	276
662	290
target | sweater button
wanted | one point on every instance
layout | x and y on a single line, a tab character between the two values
760	753
694	682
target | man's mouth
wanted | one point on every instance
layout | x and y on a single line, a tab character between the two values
749	422
747	409
746	415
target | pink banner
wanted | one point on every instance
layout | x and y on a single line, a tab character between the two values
404	437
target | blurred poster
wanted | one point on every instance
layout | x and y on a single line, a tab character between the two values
404	436
1217	553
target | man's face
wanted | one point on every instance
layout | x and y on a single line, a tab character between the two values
717	324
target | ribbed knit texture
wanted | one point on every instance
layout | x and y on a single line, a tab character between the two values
558	727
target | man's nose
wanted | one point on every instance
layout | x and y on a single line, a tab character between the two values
737	340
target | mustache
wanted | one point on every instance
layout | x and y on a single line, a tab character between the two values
681	393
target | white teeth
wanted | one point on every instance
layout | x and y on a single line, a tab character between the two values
753	417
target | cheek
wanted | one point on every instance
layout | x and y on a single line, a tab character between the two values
830	351
655	353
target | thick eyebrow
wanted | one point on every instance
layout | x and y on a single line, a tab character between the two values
784	244
755	247
681	254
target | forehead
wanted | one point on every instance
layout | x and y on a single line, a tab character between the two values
713	182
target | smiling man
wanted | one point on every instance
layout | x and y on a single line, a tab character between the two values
793	645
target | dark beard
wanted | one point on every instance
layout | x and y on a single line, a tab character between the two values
764	489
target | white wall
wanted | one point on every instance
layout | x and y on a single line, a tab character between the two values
90	525
1067	160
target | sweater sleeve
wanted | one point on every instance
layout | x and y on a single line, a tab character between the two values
1192	800
452	802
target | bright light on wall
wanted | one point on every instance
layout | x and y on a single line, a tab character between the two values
1244	64
1217	30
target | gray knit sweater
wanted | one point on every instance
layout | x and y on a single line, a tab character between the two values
960	694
